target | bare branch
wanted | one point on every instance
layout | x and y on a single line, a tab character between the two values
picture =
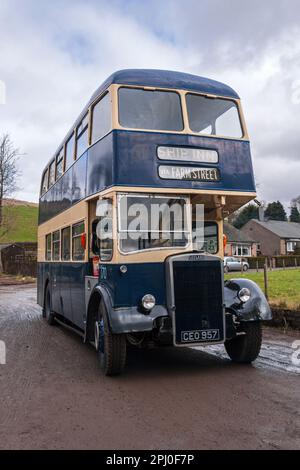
9	172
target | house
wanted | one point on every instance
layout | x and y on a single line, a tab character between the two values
18	258
274	237
238	244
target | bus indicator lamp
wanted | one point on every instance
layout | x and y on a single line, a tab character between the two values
83	241
123	269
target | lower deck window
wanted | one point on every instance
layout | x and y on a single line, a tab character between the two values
66	244
77	245
56	246
48	247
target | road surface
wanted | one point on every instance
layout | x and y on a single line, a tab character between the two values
54	397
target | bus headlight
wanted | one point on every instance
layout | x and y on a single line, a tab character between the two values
148	302
244	294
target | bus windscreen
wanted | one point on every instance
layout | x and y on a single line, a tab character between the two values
213	116
151	110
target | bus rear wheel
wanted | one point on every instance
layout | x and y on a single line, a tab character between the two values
48	313
111	347
245	348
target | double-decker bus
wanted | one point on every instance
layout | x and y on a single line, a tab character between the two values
149	139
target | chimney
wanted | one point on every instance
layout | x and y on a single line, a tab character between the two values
261	214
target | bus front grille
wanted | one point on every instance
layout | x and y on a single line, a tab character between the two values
198	301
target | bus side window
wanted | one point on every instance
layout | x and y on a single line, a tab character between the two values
66	244
59	164
77	246
52	173
44	182
56	245
101	118
82	141
69	152
48	247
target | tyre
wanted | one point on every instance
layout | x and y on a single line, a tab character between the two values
226	269
48	313
111	348
244	349
245	267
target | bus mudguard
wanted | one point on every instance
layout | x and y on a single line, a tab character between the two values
129	319
256	308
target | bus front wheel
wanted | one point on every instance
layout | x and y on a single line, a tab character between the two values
111	347
245	349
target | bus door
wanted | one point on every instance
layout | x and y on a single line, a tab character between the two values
79	269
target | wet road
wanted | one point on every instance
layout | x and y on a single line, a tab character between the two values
53	395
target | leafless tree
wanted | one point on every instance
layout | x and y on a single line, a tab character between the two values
296	203
8	170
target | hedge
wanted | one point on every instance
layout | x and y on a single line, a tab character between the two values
274	261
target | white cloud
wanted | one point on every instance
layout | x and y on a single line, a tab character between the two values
55	54
49	82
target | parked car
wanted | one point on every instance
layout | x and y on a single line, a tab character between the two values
235	264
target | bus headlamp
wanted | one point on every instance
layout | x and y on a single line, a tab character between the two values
148	302
244	294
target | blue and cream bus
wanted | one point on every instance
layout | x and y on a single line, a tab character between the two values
149	137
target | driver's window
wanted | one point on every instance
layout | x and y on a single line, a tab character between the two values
95	242
103	228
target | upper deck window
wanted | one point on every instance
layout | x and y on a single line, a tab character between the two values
52	173
152	110
69	152
59	164
101	118
82	138
44	182
213	116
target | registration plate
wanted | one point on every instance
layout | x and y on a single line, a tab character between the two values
200	336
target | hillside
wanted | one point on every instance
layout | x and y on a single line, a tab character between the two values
19	221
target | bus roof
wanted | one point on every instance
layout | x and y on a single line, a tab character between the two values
166	79
155	78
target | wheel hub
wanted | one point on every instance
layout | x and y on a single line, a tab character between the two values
99	336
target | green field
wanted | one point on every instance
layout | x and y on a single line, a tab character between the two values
284	286
20	224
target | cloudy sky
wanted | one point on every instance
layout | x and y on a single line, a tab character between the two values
53	55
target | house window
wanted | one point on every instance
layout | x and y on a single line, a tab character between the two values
241	250
290	246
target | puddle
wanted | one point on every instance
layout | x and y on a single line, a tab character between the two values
274	354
